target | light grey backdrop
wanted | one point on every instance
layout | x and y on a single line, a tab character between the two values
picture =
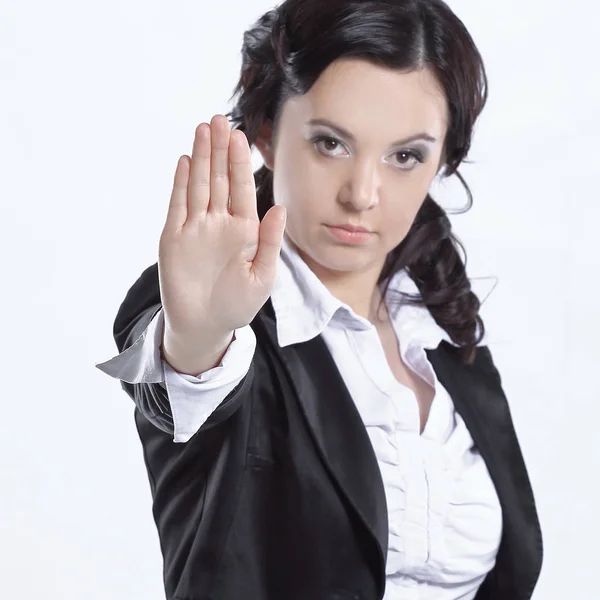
98	101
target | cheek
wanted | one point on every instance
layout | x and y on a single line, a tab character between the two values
298	193
401	209
287	174
301	183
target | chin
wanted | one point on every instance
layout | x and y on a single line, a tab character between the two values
342	258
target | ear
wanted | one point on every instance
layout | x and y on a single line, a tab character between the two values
264	144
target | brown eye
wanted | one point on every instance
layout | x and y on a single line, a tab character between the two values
328	143
414	159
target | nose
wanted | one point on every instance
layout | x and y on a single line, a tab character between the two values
361	191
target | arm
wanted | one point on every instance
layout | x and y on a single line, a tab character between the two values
176	403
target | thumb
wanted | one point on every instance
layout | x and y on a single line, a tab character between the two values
270	236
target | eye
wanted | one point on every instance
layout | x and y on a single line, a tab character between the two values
411	154
326	145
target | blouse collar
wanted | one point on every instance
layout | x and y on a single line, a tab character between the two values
304	307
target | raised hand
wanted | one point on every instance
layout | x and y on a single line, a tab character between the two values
217	261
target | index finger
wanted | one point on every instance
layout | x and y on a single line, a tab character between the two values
243	187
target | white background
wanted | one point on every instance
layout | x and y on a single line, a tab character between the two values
97	103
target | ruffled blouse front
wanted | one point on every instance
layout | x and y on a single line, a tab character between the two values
445	520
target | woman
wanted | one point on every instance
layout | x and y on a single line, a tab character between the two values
341	430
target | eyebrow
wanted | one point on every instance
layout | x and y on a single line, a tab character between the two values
343	133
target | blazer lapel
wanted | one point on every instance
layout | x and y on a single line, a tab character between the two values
479	399
339	434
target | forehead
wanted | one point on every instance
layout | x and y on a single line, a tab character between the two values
365	97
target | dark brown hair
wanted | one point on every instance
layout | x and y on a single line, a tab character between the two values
287	49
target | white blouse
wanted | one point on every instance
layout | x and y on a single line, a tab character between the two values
445	520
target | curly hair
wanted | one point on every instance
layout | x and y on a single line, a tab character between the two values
286	50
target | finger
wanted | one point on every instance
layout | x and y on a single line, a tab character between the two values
178	209
242	185
219	164
264	265
198	190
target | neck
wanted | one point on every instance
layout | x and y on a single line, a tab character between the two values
358	289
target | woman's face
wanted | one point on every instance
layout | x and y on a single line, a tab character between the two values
339	158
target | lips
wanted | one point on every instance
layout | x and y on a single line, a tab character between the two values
350	234
352	228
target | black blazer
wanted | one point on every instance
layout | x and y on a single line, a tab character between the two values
278	496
